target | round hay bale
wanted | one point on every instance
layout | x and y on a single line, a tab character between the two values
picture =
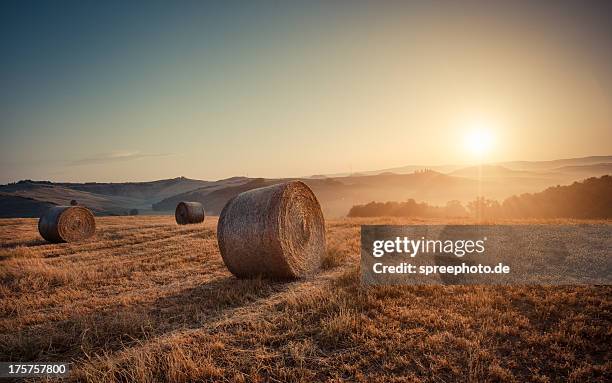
276	231
189	212
67	224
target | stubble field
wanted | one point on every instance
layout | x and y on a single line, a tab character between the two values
147	300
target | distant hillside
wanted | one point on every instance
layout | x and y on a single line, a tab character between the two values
541	167
556	164
14	206
102	198
591	198
531	176
59	195
407	169
148	191
213	197
337	194
591	170
491	171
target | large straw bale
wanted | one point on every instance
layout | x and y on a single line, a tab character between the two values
67	224
276	231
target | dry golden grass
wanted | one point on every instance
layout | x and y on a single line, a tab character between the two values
147	300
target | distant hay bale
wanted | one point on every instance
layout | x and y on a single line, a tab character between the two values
276	231
67	224
189	212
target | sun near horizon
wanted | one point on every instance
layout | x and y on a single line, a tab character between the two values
479	140
215	91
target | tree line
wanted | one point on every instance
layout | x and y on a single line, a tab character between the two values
591	198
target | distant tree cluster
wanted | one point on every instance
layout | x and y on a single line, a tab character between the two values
591	198
409	208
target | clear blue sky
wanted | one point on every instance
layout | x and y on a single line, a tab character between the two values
116	91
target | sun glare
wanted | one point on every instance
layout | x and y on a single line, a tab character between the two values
479	141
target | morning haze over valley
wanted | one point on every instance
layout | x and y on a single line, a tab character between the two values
337	193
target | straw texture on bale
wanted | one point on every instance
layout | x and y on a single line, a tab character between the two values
276	231
67	224
189	212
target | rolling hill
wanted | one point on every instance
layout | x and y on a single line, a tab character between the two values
215	197
337	194
592	170
552	165
492	171
54	194
15	206
26	198
148	191
556	164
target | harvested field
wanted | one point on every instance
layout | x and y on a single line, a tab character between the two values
148	300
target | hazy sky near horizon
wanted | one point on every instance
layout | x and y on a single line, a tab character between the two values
131	91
